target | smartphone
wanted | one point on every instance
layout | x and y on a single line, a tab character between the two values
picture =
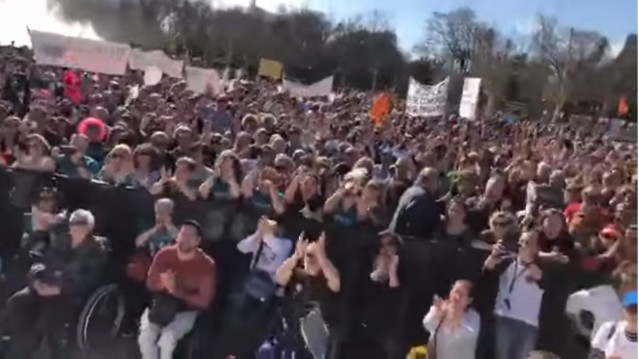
454	189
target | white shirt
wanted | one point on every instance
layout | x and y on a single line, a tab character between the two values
525	298
454	343
616	344
274	252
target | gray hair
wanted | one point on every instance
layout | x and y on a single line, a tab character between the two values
82	217
164	204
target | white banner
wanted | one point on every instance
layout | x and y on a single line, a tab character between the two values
427	101
621	131
89	55
141	60
198	79
318	89
469	98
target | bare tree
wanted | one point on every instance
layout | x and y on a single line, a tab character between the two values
568	54
453	35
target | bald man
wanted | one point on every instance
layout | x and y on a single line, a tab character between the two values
418	211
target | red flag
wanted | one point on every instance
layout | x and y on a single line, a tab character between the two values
72	87
381	108
622	108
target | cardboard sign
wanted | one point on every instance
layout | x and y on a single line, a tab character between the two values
427	101
89	55
270	68
152	75
141	60
469	98
199	80
318	89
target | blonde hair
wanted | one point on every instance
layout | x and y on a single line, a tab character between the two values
121	150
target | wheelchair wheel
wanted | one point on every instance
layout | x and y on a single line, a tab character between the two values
101	318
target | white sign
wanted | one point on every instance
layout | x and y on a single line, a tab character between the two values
469	98
152	75
427	101
141	60
198	79
318	89
89	55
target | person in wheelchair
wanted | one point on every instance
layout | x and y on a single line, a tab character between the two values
64	273
45	214
182	281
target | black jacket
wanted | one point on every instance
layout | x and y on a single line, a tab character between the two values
417	214
77	270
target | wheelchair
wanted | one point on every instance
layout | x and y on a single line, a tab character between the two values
100	319
95	323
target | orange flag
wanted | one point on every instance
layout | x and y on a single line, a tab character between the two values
381	108
622	108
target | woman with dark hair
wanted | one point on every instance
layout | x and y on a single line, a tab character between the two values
147	164
453	325
304	205
261	197
454	229
375	309
555	243
452	242
221	192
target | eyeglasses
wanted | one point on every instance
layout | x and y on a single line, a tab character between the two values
502	224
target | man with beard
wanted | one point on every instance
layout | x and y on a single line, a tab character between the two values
182	279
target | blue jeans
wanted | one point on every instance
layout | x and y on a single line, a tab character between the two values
514	339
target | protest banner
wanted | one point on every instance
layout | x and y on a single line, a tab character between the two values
318	89
199	79
270	68
469	98
622	131
427	101
89	55
141	60
583	123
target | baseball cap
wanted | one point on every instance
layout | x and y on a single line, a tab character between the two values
610	231
629	299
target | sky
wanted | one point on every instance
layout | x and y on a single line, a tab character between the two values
614	18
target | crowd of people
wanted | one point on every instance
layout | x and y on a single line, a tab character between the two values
374	239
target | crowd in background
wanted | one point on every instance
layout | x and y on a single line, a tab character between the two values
466	235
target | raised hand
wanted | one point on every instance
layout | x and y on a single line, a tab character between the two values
301	246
